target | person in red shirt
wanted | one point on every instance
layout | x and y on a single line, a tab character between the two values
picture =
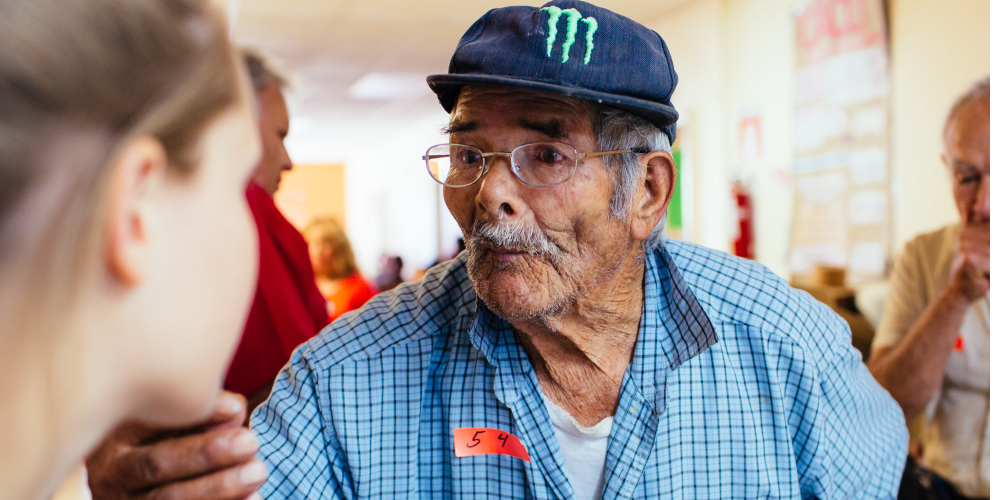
337	276
287	309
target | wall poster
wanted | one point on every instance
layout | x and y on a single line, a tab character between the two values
842	211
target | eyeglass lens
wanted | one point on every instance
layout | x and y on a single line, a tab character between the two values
538	164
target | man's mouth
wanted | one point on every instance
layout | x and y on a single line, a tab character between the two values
503	254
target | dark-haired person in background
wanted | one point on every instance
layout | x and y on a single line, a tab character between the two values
932	347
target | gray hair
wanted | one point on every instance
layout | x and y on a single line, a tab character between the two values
980	90
261	72
616	129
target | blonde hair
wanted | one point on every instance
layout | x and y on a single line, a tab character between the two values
78	80
327	230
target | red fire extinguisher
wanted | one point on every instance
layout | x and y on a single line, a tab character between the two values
743	234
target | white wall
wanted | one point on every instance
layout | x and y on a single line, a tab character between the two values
390	200
735	58
694	37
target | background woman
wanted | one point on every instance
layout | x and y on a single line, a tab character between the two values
127	253
337	275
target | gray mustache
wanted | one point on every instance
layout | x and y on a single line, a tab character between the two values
517	236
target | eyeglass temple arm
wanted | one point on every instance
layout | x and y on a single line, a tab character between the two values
615	152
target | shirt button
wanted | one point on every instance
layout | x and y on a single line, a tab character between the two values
633	410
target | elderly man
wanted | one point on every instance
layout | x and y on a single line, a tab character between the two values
572	353
932	348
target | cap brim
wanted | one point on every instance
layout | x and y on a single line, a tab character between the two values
447	88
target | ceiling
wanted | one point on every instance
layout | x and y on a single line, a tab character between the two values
326	46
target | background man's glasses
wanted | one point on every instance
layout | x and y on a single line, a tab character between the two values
537	164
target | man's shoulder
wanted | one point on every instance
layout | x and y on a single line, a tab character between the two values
737	291
936	237
933	247
411	312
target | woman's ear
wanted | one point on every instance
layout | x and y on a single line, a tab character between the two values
656	186
137	172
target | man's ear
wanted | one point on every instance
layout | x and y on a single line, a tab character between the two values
656	186
137	172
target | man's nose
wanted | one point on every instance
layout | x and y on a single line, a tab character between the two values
286	160
498	190
981	208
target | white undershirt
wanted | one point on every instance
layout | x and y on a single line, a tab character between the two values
583	451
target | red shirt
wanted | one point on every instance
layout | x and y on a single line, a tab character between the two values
352	292
287	309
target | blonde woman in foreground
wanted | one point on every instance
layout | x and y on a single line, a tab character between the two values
127	253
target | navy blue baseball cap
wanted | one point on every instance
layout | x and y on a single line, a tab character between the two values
570	48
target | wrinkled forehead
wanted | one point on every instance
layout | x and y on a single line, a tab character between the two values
555	116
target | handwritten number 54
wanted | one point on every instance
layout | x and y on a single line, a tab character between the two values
476	442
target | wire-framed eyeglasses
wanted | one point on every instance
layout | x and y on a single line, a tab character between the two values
539	164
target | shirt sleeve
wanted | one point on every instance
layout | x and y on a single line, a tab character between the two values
906	299
304	458
849	434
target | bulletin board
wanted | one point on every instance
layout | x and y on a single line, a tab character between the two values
841	175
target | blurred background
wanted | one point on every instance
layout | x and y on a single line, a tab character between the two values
809	137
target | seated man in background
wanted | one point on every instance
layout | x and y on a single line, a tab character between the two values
287	310
932	348
570	352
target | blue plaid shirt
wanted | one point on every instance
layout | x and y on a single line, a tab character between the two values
740	387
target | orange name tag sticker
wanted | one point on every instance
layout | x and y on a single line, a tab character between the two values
472	441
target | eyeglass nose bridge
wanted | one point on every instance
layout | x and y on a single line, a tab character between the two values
510	159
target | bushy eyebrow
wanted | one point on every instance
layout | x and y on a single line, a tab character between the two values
553	128
965	167
457	127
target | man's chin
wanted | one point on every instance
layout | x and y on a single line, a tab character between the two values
512	295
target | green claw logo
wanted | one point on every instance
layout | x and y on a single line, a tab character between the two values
573	17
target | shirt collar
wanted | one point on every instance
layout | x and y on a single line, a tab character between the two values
674	328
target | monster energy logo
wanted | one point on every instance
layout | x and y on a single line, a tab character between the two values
573	17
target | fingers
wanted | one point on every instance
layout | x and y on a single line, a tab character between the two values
231	411
183	457
979	263
970	277
235	483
